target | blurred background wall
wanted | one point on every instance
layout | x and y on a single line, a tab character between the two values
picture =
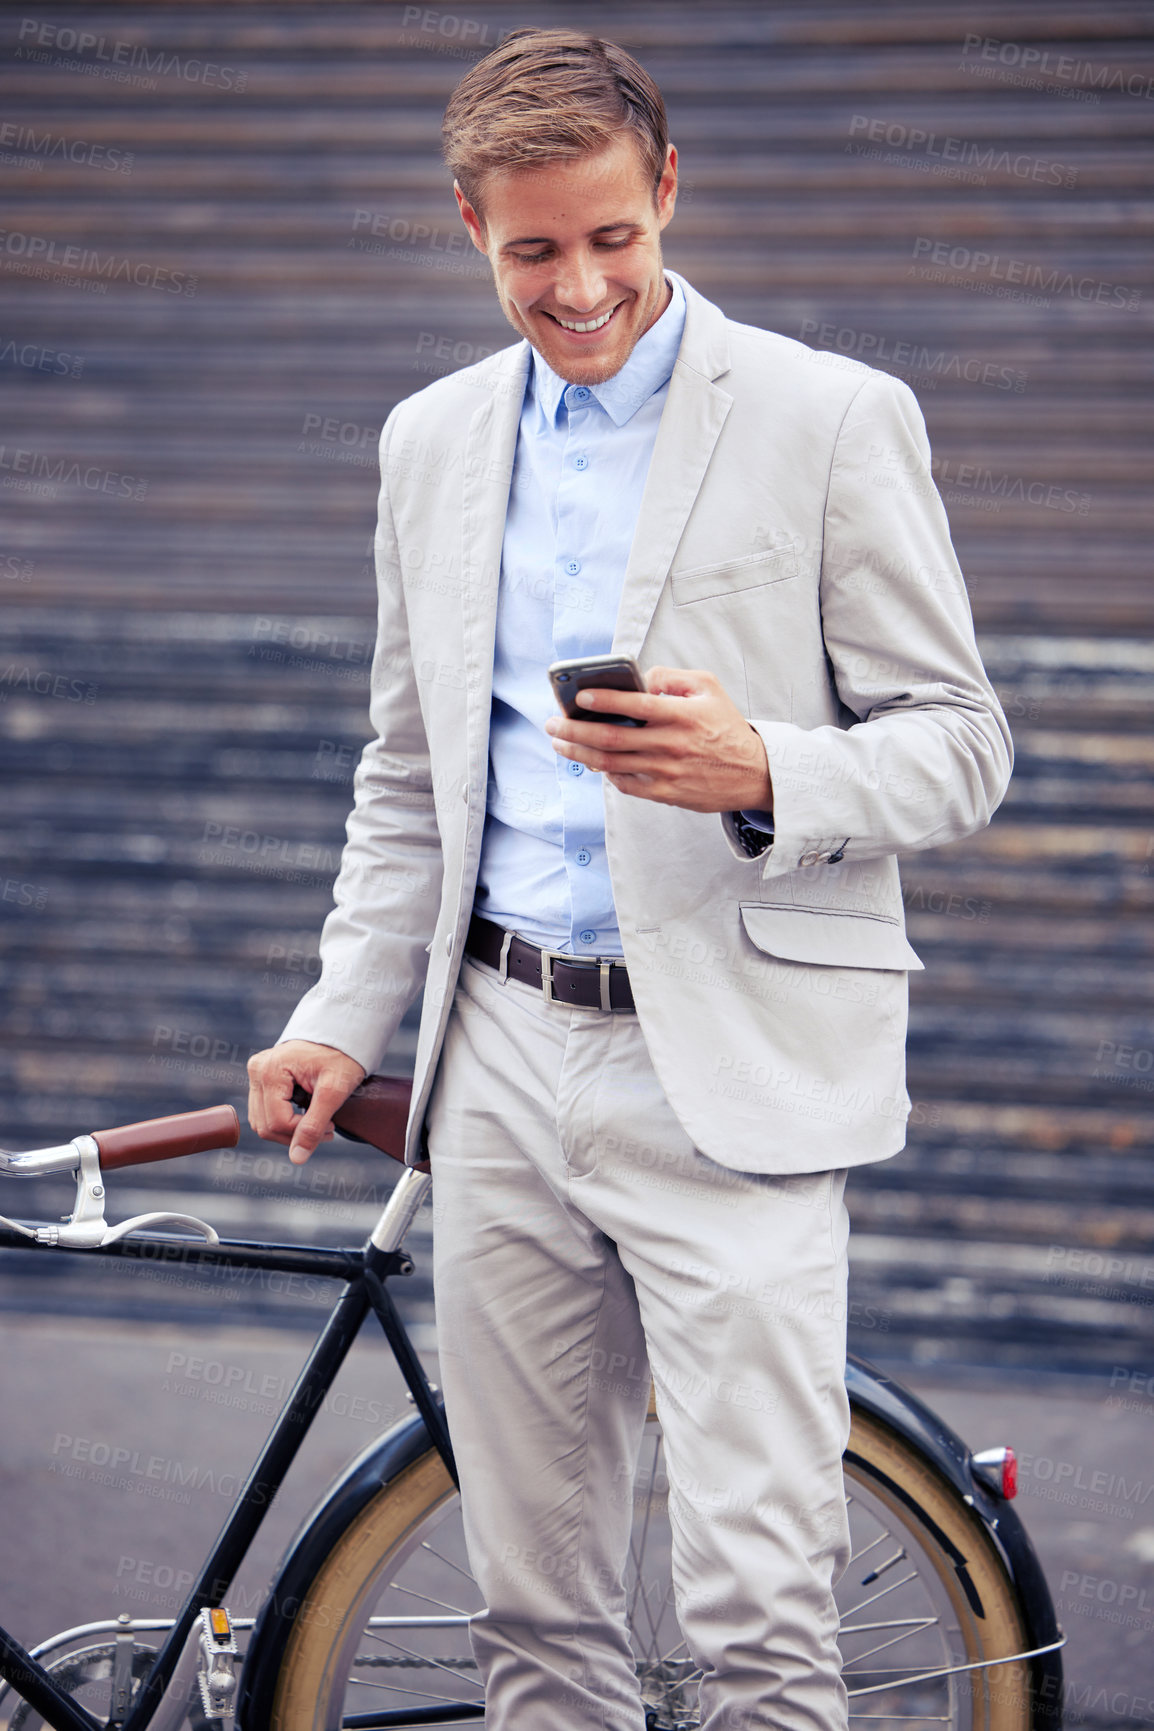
228	249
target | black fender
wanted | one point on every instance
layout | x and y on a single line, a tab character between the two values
870	1390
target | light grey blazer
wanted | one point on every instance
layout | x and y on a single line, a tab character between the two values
790	541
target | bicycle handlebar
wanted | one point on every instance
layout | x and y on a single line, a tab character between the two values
167	1138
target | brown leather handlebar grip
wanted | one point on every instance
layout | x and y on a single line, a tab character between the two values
167	1138
376	1112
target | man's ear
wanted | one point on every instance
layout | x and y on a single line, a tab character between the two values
666	198
470	218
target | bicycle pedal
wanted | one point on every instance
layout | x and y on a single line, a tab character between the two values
216	1669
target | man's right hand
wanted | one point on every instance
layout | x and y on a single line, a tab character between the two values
330	1077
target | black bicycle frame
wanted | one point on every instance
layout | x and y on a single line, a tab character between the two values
365	1273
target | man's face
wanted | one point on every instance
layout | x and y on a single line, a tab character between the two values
578	244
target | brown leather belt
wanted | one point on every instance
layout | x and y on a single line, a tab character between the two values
591	985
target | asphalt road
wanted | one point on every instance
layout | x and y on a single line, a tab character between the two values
191	1407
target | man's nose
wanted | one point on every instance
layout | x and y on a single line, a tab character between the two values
580	286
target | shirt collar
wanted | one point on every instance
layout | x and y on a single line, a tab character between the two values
646	370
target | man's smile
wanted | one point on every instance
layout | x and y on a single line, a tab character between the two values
583	325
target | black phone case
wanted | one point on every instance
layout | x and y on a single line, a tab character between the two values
605	679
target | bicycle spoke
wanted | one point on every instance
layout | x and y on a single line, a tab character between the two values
441	1604
874	1597
647	1593
856	1556
890	1623
694	1676
448	1561
671	1658
637	1550
884	1646
876	1574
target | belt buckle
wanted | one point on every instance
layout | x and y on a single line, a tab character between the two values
548	957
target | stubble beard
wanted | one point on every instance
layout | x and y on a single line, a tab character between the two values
573	368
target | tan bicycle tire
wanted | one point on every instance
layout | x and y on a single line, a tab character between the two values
305	1681
309	1689
1002	1692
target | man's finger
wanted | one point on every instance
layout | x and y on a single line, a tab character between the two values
601	736
312	1127
271	1082
316	1125
680	682
642	704
268	1109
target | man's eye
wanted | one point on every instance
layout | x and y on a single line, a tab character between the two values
616	245
530	257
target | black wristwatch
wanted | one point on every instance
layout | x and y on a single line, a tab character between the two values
754	841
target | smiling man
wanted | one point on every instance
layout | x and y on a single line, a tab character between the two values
664	968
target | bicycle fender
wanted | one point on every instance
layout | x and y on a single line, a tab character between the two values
361	1481
926	1434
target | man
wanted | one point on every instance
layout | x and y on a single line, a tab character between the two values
642	1151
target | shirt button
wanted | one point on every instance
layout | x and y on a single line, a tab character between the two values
580	462
576	768
584	856
572	567
587	937
579	394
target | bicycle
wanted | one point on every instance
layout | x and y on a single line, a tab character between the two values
946	1619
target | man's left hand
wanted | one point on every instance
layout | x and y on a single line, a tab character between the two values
696	750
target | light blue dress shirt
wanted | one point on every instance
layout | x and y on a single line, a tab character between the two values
583	454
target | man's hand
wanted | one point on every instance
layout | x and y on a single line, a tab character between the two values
330	1077
697	750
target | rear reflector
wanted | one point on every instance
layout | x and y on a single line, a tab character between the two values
998	1469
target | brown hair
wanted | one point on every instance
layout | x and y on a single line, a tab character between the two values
546	95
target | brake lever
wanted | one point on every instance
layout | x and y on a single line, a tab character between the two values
86	1228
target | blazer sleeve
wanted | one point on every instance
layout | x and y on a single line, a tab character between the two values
924	752
374	944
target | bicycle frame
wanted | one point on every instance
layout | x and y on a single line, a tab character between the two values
365	1273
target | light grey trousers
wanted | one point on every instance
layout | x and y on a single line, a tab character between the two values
580	1243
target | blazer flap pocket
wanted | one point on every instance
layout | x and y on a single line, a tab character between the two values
772	565
830	939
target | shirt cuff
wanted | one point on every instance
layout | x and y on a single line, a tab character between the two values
761	820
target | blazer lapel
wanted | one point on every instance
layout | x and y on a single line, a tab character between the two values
490	447
691	422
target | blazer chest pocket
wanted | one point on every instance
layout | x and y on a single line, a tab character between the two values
828	939
706	582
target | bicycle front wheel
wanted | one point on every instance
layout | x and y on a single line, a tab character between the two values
381	1637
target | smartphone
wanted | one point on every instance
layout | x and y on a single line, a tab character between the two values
602	673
